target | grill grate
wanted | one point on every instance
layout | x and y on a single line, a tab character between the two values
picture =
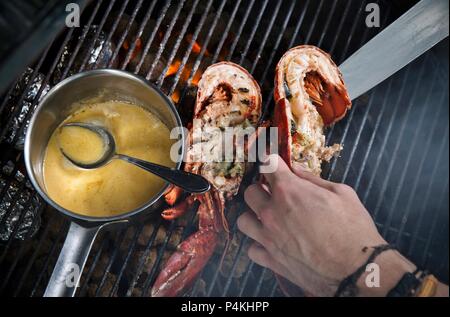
390	139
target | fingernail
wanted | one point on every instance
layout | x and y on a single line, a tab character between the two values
271	164
264	158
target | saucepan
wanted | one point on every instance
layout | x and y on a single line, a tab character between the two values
57	105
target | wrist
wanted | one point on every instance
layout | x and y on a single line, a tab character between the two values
391	266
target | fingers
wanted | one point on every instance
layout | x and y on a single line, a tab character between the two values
275	170
301	172
251	226
256	198
258	254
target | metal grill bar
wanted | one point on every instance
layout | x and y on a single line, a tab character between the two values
151	276
273	289
81	40
144	256
241	27
165	39
128	256
252	34
352	31
162	15
327	23
16	260
97	34
278	41
358	137
110	33
399	138
232	270
341	24
138	35
30	262
63	229
344	135
387	134
435	222
246	276
408	160
225	33
125	33
32	259
314	21
266	35
118	238
203	50
160	80
189	50
374	133
428	192
88	274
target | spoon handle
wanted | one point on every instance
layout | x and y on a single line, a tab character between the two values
192	183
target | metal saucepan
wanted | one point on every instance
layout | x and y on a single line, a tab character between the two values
58	104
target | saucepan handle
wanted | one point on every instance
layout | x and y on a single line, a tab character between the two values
72	259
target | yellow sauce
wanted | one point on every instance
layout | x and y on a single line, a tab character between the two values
117	187
80	144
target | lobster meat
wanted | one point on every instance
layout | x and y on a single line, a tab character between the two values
309	95
227	98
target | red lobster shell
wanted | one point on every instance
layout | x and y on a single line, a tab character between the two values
227	97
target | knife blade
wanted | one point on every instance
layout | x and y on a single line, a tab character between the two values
411	35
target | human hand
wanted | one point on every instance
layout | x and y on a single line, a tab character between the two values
314	232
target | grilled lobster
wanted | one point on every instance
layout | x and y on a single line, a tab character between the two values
309	95
227	97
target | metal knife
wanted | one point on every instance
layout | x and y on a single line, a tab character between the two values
414	33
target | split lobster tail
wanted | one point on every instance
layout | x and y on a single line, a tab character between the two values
227	97
309	95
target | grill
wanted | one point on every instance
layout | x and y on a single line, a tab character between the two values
395	137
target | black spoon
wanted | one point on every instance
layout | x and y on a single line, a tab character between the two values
190	182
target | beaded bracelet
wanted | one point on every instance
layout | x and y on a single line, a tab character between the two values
348	288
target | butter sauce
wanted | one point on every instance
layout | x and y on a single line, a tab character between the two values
117	187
